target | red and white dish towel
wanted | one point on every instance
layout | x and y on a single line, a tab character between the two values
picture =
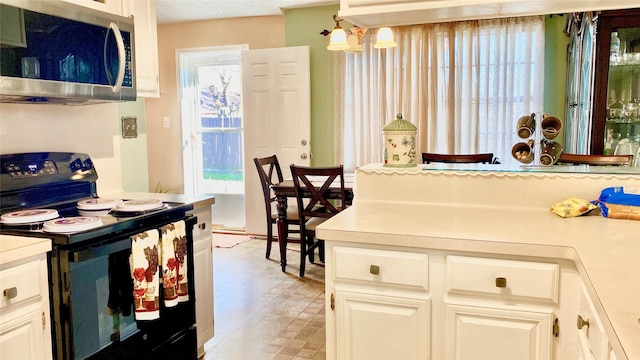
174	263
145	262
152	250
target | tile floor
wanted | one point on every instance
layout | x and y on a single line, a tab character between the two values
261	312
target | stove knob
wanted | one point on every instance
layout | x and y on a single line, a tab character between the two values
76	165
87	165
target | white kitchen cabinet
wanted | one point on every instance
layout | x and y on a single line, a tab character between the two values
381	327
481	332
499	308
25	329
12	31
203	272
379	304
108	6
426	304
593	343
146	45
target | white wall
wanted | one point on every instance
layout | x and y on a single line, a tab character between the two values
91	129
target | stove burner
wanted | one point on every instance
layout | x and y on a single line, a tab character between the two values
22	217
72	224
97	204
138	205
94	213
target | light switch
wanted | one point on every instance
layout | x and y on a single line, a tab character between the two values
166	122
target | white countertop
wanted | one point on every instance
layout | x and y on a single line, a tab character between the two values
14	248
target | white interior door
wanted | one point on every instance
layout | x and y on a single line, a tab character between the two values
277	118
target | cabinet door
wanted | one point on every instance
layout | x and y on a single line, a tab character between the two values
592	339
22	338
477	333
381	327
203	272
146	45
108	6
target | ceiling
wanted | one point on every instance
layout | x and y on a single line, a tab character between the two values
172	11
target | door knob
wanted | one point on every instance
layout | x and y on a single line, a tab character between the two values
303	156
303	142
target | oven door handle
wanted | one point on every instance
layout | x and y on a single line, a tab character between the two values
81	255
98	251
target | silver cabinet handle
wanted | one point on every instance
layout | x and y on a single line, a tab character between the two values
303	142
303	156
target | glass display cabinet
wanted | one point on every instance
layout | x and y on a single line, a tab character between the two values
616	100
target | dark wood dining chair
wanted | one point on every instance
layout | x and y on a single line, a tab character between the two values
316	204
270	173
581	159
485	158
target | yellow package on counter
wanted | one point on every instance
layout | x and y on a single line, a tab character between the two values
572	207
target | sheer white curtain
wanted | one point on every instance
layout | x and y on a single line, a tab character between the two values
464	85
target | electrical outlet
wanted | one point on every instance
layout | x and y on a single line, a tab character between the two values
166	122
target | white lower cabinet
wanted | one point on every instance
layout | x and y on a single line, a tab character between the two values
385	302
379	304
499	308
381	327
22	337
477	333
203	272
593	343
25	329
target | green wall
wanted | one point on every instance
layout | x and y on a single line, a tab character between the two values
555	61
134	150
303	27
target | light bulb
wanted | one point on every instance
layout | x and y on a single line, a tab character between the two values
338	39
384	38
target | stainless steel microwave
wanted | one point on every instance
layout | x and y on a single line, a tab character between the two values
57	52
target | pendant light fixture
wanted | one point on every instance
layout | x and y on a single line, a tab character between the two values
355	39
338	39
384	38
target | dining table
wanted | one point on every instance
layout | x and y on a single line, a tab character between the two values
286	189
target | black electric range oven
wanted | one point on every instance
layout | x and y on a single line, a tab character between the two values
93	305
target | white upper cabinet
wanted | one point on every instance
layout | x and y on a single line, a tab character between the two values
374	13
146	45
109	6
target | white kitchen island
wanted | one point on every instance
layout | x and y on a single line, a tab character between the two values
470	264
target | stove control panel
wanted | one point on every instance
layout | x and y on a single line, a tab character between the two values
29	180
31	168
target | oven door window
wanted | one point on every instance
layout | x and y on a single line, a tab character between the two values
101	302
